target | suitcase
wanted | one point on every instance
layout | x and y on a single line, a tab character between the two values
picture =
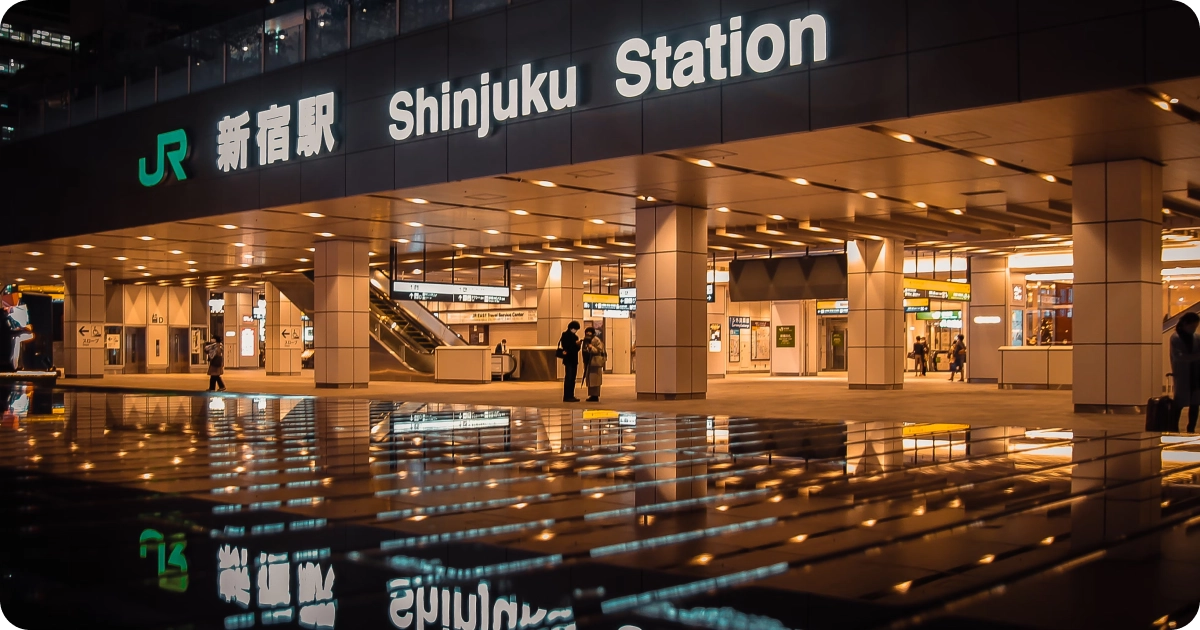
1160	415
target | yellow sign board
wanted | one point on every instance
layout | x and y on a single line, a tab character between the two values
937	289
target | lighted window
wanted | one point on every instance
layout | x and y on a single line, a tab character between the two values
243	48
327	27
283	34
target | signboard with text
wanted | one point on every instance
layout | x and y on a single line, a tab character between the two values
785	336
937	290
625	300
441	292
90	336
833	307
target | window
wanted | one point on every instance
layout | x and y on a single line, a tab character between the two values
7	133
207	50
52	40
243	47
8	32
10	66
463	8
283	35
374	20
328	30
418	14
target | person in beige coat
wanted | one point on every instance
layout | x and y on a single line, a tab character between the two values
595	359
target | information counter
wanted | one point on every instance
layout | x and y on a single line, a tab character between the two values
1035	367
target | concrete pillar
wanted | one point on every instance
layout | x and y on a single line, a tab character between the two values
620	345
241	332
560	299
1117	227
83	323
811	358
341	315
718	355
990	323
874	336
787	360
672	317
285	334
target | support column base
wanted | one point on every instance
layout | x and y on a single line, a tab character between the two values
984	381
83	375
342	385
283	374
652	396
874	387
1114	410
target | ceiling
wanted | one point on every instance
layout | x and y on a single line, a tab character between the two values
985	181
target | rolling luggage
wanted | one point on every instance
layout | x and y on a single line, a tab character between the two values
1160	415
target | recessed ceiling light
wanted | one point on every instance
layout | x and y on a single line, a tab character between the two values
418	200
520	213
140	267
121	258
705	163
55	276
987	160
801	181
776	217
193	270
492	232
325	234
416	272
147	274
106	278
545	184
646	198
315	215
598	221
871	195
956	211
190	262
310	249
239	244
229	227
35	253
146	238
414	224
247	255
722	209
85	246
402	240
1050	178
372	254
921	204
1166	211
176	251
72	264
903	137
461	245
20	279
551	237
31	269
1164	105
244	265
302	260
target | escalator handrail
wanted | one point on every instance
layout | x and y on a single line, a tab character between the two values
404	351
1170	323
440	331
411	344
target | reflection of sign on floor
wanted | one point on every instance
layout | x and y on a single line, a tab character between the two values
291	338
90	336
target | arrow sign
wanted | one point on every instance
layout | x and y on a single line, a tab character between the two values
90	336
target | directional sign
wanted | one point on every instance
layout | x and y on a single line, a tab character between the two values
291	338
91	336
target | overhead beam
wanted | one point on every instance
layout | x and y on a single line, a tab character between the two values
1054	217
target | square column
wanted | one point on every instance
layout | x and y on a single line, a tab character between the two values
83	323
241	332
672	309
341	322
560	299
874	336
284	330
1117	228
990	324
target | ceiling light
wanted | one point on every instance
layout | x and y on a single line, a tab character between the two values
921	204
646	198
242	265
55	276
140	267
193	270
705	163
520	213
414	224
545	184
121	258
176	251
775	217
239	244
87	246
20	279
72	264
190	262
1050	178
372	254
302	260
1166	211
315	215
801	181
987	160
325	234
247	255
146	238
903	137
418	200
520	287
722	209
550	237
229	227
147	274
871	195
598	221
416	272
461	245
401	240
1165	106
956	211
492	232
35	253
31	269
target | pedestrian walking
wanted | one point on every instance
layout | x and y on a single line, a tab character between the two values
958	359
215	351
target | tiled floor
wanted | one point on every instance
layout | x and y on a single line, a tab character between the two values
931	399
233	511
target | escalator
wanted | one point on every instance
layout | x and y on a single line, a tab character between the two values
404	335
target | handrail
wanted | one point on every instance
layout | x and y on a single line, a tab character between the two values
1170	322
441	332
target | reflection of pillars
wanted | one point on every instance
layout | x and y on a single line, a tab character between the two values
86	419
557	430
284	331
343	435
675	448
1134	462
874	343
874	447
992	440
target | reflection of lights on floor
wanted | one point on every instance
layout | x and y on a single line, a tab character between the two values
702	559
799	538
546	535
597	495
988	559
418	518
903	586
148	476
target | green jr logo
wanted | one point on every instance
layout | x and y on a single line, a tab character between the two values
174	156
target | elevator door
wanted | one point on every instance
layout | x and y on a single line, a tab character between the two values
180	351
835	344
135	350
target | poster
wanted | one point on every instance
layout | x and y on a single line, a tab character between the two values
714	337
785	336
735	345
760	341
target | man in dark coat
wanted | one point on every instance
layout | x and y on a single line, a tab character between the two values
568	351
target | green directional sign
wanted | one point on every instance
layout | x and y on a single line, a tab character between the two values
174	157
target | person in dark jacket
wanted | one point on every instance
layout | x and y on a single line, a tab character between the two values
1185	372
568	349
215	351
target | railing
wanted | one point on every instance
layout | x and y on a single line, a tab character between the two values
404	349
284	33
418	313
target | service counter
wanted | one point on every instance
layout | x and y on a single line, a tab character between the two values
1035	367
535	363
462	364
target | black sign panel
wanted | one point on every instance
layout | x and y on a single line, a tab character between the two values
806	278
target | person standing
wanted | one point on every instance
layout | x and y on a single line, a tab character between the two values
958	359
502	347
595	359
568	351
215	350
1185	372
920	355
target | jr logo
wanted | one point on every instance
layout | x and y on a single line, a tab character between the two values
174	156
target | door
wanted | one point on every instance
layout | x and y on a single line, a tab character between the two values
180	355
135	350
835	342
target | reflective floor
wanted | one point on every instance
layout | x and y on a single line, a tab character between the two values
157	511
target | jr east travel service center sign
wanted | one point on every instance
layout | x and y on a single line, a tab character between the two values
306	127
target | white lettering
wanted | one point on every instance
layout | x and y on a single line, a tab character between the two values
504	606
485	104
690	67
446	105
715	43
426	104
735	46
274	139
772	34
426	615
470	100
314	125
531	91
816	24
399	101
233	138
402	601
628	66
565	99
660	55
500	111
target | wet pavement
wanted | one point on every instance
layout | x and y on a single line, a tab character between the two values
235	511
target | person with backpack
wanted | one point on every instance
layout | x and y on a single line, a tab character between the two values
568	352
1185	372
215	351
958	359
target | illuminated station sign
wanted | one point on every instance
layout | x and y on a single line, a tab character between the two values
626	300
438	292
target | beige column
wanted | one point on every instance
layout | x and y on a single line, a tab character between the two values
241	332
560	299
874	336
811	356
83	323
341	315
672	315
989	325
284	330
1117	227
